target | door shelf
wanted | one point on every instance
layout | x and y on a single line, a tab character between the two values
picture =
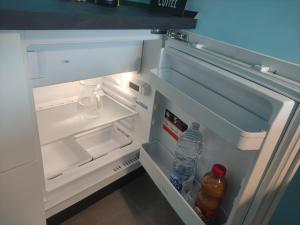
157	161
214	111
63	121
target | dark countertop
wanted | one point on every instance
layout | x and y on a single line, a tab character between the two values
66	14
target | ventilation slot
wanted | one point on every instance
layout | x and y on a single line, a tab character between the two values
131	161
127	163
117	168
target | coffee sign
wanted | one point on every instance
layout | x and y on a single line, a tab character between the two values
171	6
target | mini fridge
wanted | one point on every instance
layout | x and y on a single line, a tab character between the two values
246	104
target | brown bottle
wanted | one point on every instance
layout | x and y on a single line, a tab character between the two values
212	190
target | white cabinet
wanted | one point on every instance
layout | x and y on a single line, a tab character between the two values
18	135
21	196
21	200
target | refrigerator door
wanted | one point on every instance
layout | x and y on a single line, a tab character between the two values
241	122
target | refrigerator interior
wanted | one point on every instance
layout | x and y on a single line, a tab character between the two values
236	117
79	153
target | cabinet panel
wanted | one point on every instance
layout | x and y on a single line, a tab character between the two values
18	132
21	196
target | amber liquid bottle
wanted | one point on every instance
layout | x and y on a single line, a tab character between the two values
212	190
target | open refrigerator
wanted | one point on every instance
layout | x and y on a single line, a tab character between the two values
244	120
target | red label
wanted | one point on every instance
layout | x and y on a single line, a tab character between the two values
173	125
174	135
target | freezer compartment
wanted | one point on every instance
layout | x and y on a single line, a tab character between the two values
61	156
64	62
62	120
218	113
157	161
101	141
109	140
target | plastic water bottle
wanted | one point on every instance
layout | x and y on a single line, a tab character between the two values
189	148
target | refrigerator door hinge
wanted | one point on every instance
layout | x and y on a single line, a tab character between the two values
178	35
184	37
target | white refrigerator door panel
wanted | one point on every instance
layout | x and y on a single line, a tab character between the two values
245	114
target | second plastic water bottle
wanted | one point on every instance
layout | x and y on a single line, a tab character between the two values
188	150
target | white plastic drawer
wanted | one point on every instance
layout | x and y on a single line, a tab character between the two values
101	142
52	64
157	161
61	156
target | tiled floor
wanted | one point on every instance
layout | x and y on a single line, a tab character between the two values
137	203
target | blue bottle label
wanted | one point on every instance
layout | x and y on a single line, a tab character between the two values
176	183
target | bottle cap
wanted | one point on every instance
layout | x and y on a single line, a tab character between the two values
219	170
195	126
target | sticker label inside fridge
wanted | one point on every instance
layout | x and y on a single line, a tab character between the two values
173	125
